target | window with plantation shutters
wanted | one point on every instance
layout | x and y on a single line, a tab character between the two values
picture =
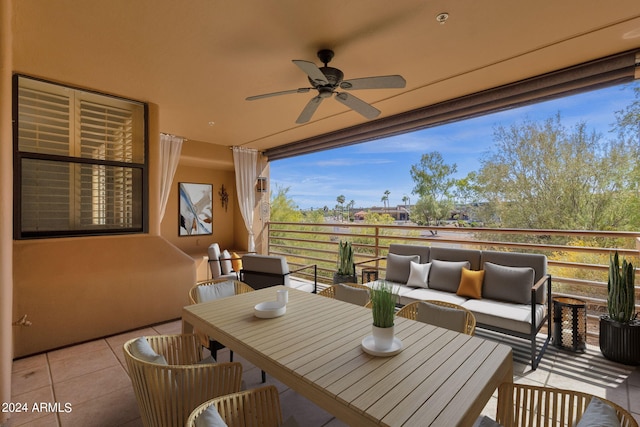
80	162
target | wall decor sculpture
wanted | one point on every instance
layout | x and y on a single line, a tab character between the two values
224	197
196	209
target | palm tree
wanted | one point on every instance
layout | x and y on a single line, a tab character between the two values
385	199
350	206
340	199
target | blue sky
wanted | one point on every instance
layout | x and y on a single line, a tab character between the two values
364	171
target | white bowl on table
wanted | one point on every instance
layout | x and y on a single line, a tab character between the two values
270	309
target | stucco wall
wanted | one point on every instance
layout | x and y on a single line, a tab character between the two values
77	289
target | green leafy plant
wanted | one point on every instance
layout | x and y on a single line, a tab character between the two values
383	304
621	290
345	259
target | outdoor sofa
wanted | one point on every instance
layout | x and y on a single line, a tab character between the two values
507	292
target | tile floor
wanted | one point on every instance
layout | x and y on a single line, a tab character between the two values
89	382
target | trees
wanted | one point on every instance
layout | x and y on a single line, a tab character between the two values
341	199
284	209
385	199
434	184
544	175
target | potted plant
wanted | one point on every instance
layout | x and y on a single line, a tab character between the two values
620	329
383	308
346	271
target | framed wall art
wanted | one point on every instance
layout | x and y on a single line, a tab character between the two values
195	216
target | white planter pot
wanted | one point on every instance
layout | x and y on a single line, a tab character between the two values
382	337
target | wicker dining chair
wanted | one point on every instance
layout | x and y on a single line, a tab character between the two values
410	311
167	393
359	297
238	288
251	408
521	405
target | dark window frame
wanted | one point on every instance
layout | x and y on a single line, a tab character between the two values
141	188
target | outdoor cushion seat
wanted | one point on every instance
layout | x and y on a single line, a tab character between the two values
420	294
442	314
505	315
351	293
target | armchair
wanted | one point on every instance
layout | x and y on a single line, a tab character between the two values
220	264
262	271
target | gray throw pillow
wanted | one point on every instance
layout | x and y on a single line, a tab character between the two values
444	317
445	275
399	266
352	295
210	418
141	349
484	421
599	414
504	283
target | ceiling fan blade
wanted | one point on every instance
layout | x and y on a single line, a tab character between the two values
312	71
309	109
284	92
358	105
380	82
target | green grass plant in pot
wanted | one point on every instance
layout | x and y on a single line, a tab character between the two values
383	307
346	271
620	329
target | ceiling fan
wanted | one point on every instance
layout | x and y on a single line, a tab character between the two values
327	80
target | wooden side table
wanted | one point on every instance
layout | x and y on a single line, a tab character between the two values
369	275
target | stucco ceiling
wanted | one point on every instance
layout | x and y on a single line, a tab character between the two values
198	60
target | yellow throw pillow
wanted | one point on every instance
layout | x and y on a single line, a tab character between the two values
236	262
471	284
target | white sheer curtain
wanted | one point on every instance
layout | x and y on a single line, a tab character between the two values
170	147
245	161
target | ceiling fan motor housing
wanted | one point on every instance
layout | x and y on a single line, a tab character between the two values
333	75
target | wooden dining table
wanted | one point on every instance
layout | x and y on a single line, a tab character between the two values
440	378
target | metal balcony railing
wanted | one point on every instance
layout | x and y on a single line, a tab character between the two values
577	260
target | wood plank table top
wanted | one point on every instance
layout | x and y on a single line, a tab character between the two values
440	378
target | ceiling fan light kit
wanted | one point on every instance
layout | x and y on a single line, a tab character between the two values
326	80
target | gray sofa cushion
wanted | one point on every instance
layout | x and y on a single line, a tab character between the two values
404	249
445	275
515	259
504	283
444	317
457	254
399	266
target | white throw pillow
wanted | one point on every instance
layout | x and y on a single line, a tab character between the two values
141	349
225	262
210	418
419	275
219	290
